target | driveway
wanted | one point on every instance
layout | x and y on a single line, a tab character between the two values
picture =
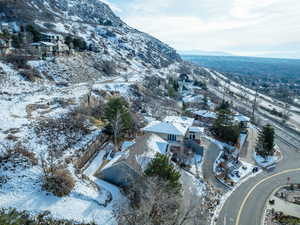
211	152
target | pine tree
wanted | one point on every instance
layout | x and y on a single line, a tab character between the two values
119	119
265	142
161	167
205	102
224	128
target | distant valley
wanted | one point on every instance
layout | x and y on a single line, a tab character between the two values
279	78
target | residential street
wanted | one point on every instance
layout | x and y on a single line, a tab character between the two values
245	205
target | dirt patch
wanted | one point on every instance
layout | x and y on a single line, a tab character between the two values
12	131
33	107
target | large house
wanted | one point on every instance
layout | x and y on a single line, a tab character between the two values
128	166
51	44
179	132
43	48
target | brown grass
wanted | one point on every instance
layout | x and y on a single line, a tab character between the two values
59	182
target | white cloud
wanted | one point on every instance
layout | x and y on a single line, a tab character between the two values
216	25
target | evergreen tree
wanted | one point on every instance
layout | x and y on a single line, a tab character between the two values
224	106
224	128
161	167
37	36
171	92
265	143
119	119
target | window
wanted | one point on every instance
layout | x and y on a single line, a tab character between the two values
192	136
171	137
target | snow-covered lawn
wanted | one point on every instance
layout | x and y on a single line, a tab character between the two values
84	204
244	170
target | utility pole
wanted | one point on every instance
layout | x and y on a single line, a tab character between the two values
254	104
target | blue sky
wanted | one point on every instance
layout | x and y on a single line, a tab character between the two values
242	27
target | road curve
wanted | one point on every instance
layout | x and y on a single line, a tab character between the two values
246	204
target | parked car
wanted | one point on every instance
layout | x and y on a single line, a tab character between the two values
255	169
244	167
271	168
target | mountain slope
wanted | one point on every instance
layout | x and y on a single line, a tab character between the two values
92	20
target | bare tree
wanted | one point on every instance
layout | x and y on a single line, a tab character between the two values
153	203
117	128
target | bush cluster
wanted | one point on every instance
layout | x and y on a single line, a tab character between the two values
58	182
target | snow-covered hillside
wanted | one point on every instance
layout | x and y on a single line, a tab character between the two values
92	20
44	92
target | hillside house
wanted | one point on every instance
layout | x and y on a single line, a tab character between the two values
5	46
9	27
5	28
179	132
242	120
51	37
43	48
59	43
128	166
205	116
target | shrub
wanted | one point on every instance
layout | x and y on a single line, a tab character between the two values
58	182
37	36
72	126
30	75
79	44
14	217
19	61
109	67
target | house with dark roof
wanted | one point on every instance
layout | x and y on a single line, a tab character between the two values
128	166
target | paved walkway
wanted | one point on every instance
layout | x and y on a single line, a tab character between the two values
287	208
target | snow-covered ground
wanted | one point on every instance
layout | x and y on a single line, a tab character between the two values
265	162
84	204
244	170
196	165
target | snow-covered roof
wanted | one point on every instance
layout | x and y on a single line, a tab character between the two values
192	99
42	43
166	128
196	129
186	121
206	114
241	118
126	145
47	43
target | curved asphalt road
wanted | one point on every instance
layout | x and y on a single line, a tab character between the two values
245	205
